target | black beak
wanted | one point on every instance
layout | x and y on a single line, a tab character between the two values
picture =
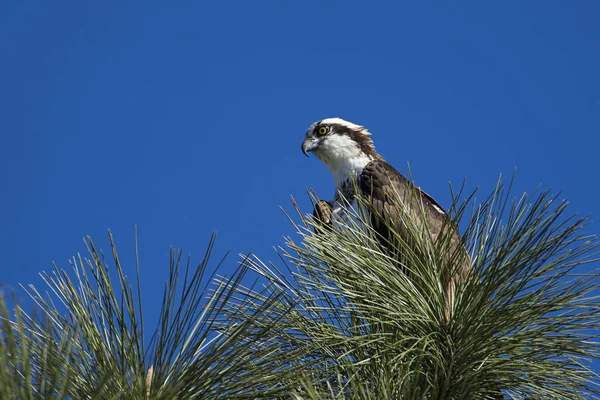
304	149
309	145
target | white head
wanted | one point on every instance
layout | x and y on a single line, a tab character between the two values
343	146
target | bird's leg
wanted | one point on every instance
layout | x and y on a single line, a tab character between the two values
343	199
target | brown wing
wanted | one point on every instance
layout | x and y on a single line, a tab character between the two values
379	181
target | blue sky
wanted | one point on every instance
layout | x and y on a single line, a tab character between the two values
187	117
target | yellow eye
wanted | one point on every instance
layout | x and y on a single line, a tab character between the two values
322	131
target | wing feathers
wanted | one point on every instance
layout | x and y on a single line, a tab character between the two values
379	180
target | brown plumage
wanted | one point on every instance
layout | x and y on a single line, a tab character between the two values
380	183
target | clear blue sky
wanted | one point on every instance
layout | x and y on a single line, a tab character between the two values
185	117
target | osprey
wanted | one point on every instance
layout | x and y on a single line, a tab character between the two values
348	152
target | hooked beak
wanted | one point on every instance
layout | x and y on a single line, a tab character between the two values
309	144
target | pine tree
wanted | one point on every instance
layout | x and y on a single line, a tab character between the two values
338	317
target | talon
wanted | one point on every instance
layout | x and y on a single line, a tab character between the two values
322	216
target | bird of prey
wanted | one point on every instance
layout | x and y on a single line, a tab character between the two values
348	152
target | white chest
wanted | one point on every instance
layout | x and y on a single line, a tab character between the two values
351	168
344	174
343	158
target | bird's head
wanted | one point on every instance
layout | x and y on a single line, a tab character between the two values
335	141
